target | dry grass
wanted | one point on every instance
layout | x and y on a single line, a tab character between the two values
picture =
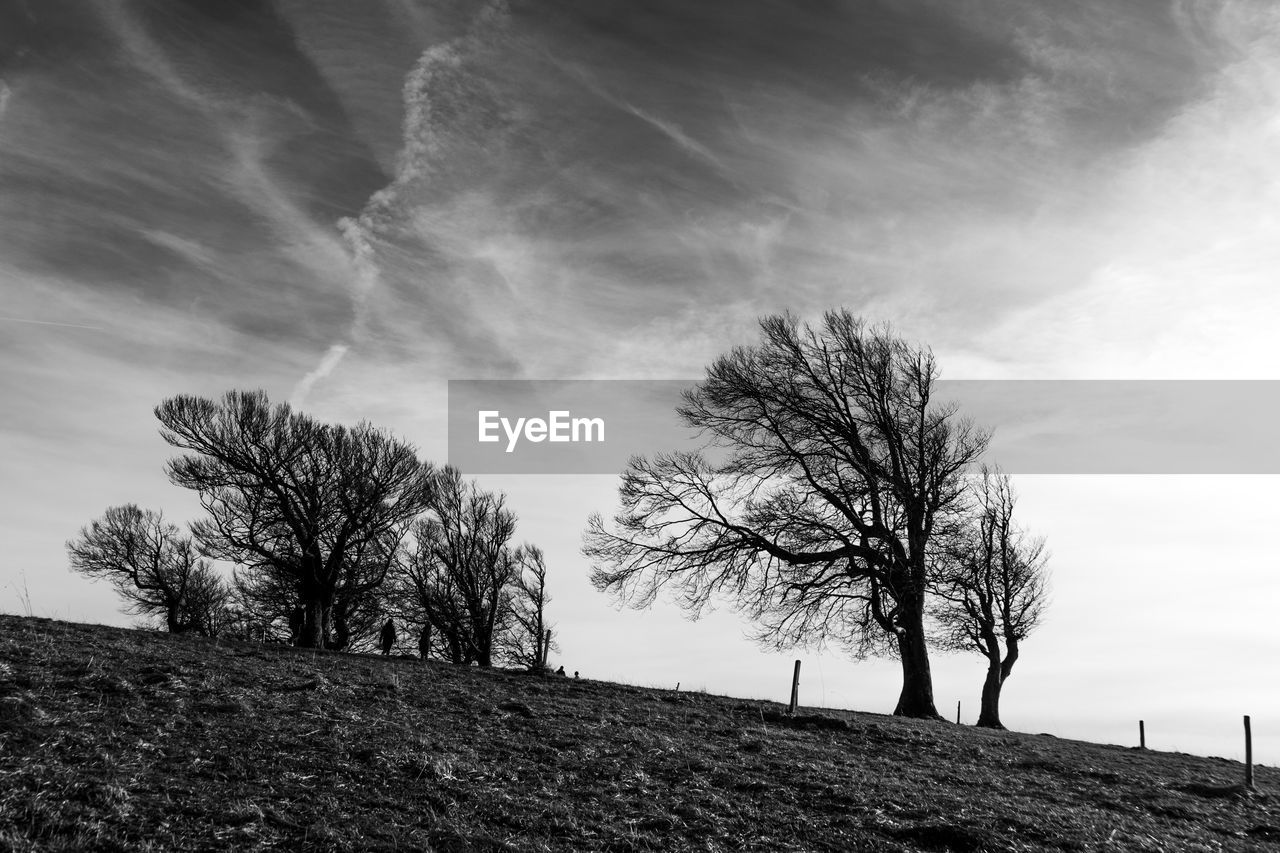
116	739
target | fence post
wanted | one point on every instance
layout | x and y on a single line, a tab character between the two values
1248	753
957	712
1142	735
795	689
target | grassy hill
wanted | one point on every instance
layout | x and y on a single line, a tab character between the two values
130	740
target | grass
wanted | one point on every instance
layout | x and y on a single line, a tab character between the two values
113	739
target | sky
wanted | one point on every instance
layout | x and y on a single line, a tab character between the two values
348	207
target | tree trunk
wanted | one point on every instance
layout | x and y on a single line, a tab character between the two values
916	699
482	642
989	716
297	620
315	624
341	627
455	650
483	633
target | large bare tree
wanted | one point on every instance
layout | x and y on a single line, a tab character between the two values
153	566
994	588
830	472
309	500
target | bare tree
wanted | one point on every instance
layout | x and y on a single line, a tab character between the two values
153	566
530	642
834	469
285	491
994	588
456	576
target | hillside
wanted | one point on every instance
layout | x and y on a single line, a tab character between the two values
130	740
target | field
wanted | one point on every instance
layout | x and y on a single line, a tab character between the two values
112	739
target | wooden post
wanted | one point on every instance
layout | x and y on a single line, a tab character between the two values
795	689
1248	753
957	712
1142	734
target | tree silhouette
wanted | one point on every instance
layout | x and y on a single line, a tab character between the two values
993	589
830	472
529	643
317	504
457	575
153	566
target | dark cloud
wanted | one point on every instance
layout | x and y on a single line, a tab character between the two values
239	50
170	151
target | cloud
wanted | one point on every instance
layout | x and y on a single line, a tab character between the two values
1180	229
656	204
563	205
386	212
274	156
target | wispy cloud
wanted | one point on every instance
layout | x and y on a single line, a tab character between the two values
387	211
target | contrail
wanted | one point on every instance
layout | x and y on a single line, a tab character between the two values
52	323
669	129
674	132
331	358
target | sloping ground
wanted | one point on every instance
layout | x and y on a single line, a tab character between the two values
117	739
